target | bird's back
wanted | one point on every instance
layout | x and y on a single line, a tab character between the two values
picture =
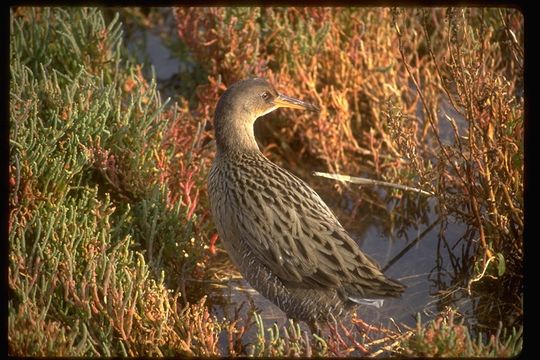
271	216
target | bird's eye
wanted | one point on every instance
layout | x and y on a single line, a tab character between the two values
265	95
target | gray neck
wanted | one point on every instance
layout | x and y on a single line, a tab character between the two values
234	131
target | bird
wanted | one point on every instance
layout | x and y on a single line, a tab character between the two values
283	238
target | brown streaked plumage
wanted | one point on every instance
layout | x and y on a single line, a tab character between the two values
284	239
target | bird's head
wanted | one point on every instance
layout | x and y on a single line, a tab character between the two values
245	101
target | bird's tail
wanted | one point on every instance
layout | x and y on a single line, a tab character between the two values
392	287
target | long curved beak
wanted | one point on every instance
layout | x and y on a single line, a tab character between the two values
289	102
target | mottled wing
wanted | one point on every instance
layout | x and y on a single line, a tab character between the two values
292	231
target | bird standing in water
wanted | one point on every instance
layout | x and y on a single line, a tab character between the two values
284	239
